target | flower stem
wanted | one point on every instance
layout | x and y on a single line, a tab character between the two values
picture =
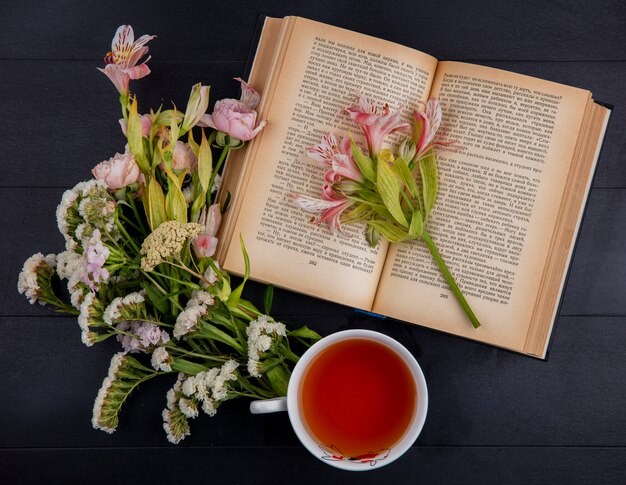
449	278
218	165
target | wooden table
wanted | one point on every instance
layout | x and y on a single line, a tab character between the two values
494	417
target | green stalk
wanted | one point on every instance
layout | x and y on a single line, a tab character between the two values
218	165
133	206
449	278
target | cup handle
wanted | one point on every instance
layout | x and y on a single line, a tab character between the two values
274	405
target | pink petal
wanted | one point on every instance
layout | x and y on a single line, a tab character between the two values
138	72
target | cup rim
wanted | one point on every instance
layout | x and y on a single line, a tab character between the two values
369	462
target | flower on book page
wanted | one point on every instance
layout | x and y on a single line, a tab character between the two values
236	118
121	61
425	128
337	157
330	209
375	122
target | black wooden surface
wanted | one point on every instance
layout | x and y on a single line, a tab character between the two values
494	417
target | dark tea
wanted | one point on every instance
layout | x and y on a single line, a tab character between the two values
357	397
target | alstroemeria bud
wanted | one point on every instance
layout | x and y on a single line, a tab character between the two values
386	156
407	150
196	107
205	244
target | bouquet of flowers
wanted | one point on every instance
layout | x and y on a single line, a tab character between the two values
393	193
139	240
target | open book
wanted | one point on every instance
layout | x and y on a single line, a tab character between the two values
509	204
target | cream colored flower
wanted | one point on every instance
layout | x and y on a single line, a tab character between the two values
167	241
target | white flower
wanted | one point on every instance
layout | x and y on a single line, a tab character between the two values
90	314
188	407
174	421
208	406
126	308
200	386
219	389
195	309
199	297
145	335
188	319
28	280
261	333
67	263
210	276
116	362
254	367
161	359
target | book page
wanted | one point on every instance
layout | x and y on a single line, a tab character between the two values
317	71
497	207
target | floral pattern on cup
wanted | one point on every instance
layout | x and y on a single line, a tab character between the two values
332	453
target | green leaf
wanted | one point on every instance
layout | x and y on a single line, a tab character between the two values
389	231
187	367
175	202
389	190
210	331
268	296
156	297
135	138
430	180
192	143
305	332
235	296
156	204
279	379
205	163
401	169
372	236
417	225
365	163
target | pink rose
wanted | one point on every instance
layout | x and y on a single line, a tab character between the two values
118	172
182	158
146	125
236	118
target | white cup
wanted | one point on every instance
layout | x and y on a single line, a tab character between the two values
368	461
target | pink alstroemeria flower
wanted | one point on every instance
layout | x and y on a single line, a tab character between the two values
331	206
121	61
337	157
427	124
236	117
375	123
205	244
